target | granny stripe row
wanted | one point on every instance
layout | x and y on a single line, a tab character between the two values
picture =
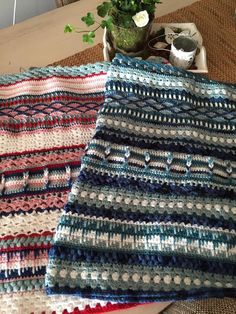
152	214
47	116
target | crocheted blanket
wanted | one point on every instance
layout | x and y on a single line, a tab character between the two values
152	216
47	117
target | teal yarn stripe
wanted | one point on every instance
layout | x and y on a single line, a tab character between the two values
54	71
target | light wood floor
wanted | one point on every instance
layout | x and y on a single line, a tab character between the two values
40	41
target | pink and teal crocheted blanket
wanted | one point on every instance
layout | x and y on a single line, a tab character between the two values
151	211
152	215
47	116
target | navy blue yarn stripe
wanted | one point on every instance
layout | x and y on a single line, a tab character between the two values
73	254
119	95
137	296
24	253
40	172
54	94
162	123
36	110
115	88
36	210
192	219
45	153
180	146
38	192
13	274
145	186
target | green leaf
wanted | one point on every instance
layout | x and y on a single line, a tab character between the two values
150	5
91	34
149	8
90	41
102	10
68	28
107	23
85	38
151	1
88	19
88	38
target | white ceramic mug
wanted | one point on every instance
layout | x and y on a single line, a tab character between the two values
183	51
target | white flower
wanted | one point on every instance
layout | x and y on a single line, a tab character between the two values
141	18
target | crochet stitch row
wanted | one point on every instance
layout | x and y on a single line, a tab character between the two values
152	216
47	116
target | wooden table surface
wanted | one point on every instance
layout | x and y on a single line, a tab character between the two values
40	41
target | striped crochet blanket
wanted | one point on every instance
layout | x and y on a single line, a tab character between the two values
152	215
47	117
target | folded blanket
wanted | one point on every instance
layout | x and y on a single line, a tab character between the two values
152	215
47	117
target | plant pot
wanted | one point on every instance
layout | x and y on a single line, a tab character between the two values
131	39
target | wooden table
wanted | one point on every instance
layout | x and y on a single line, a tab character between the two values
40	41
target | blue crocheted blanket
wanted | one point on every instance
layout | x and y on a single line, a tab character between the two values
153	216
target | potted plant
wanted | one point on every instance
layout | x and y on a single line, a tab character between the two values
128	23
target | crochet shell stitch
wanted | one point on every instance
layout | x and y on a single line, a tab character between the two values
152	214
47	116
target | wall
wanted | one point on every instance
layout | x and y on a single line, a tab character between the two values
24	9
6	12
61	3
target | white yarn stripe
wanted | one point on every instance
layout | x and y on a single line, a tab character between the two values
37	302
156	203
134	276
153	79
45	140
139	161
170	132
29	223
135	149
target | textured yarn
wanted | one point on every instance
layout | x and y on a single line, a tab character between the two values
152	214
47	117
206	306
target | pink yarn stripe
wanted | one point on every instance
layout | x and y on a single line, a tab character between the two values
13	261
39	183
47	132
45	78
53	199
80	85
44	160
